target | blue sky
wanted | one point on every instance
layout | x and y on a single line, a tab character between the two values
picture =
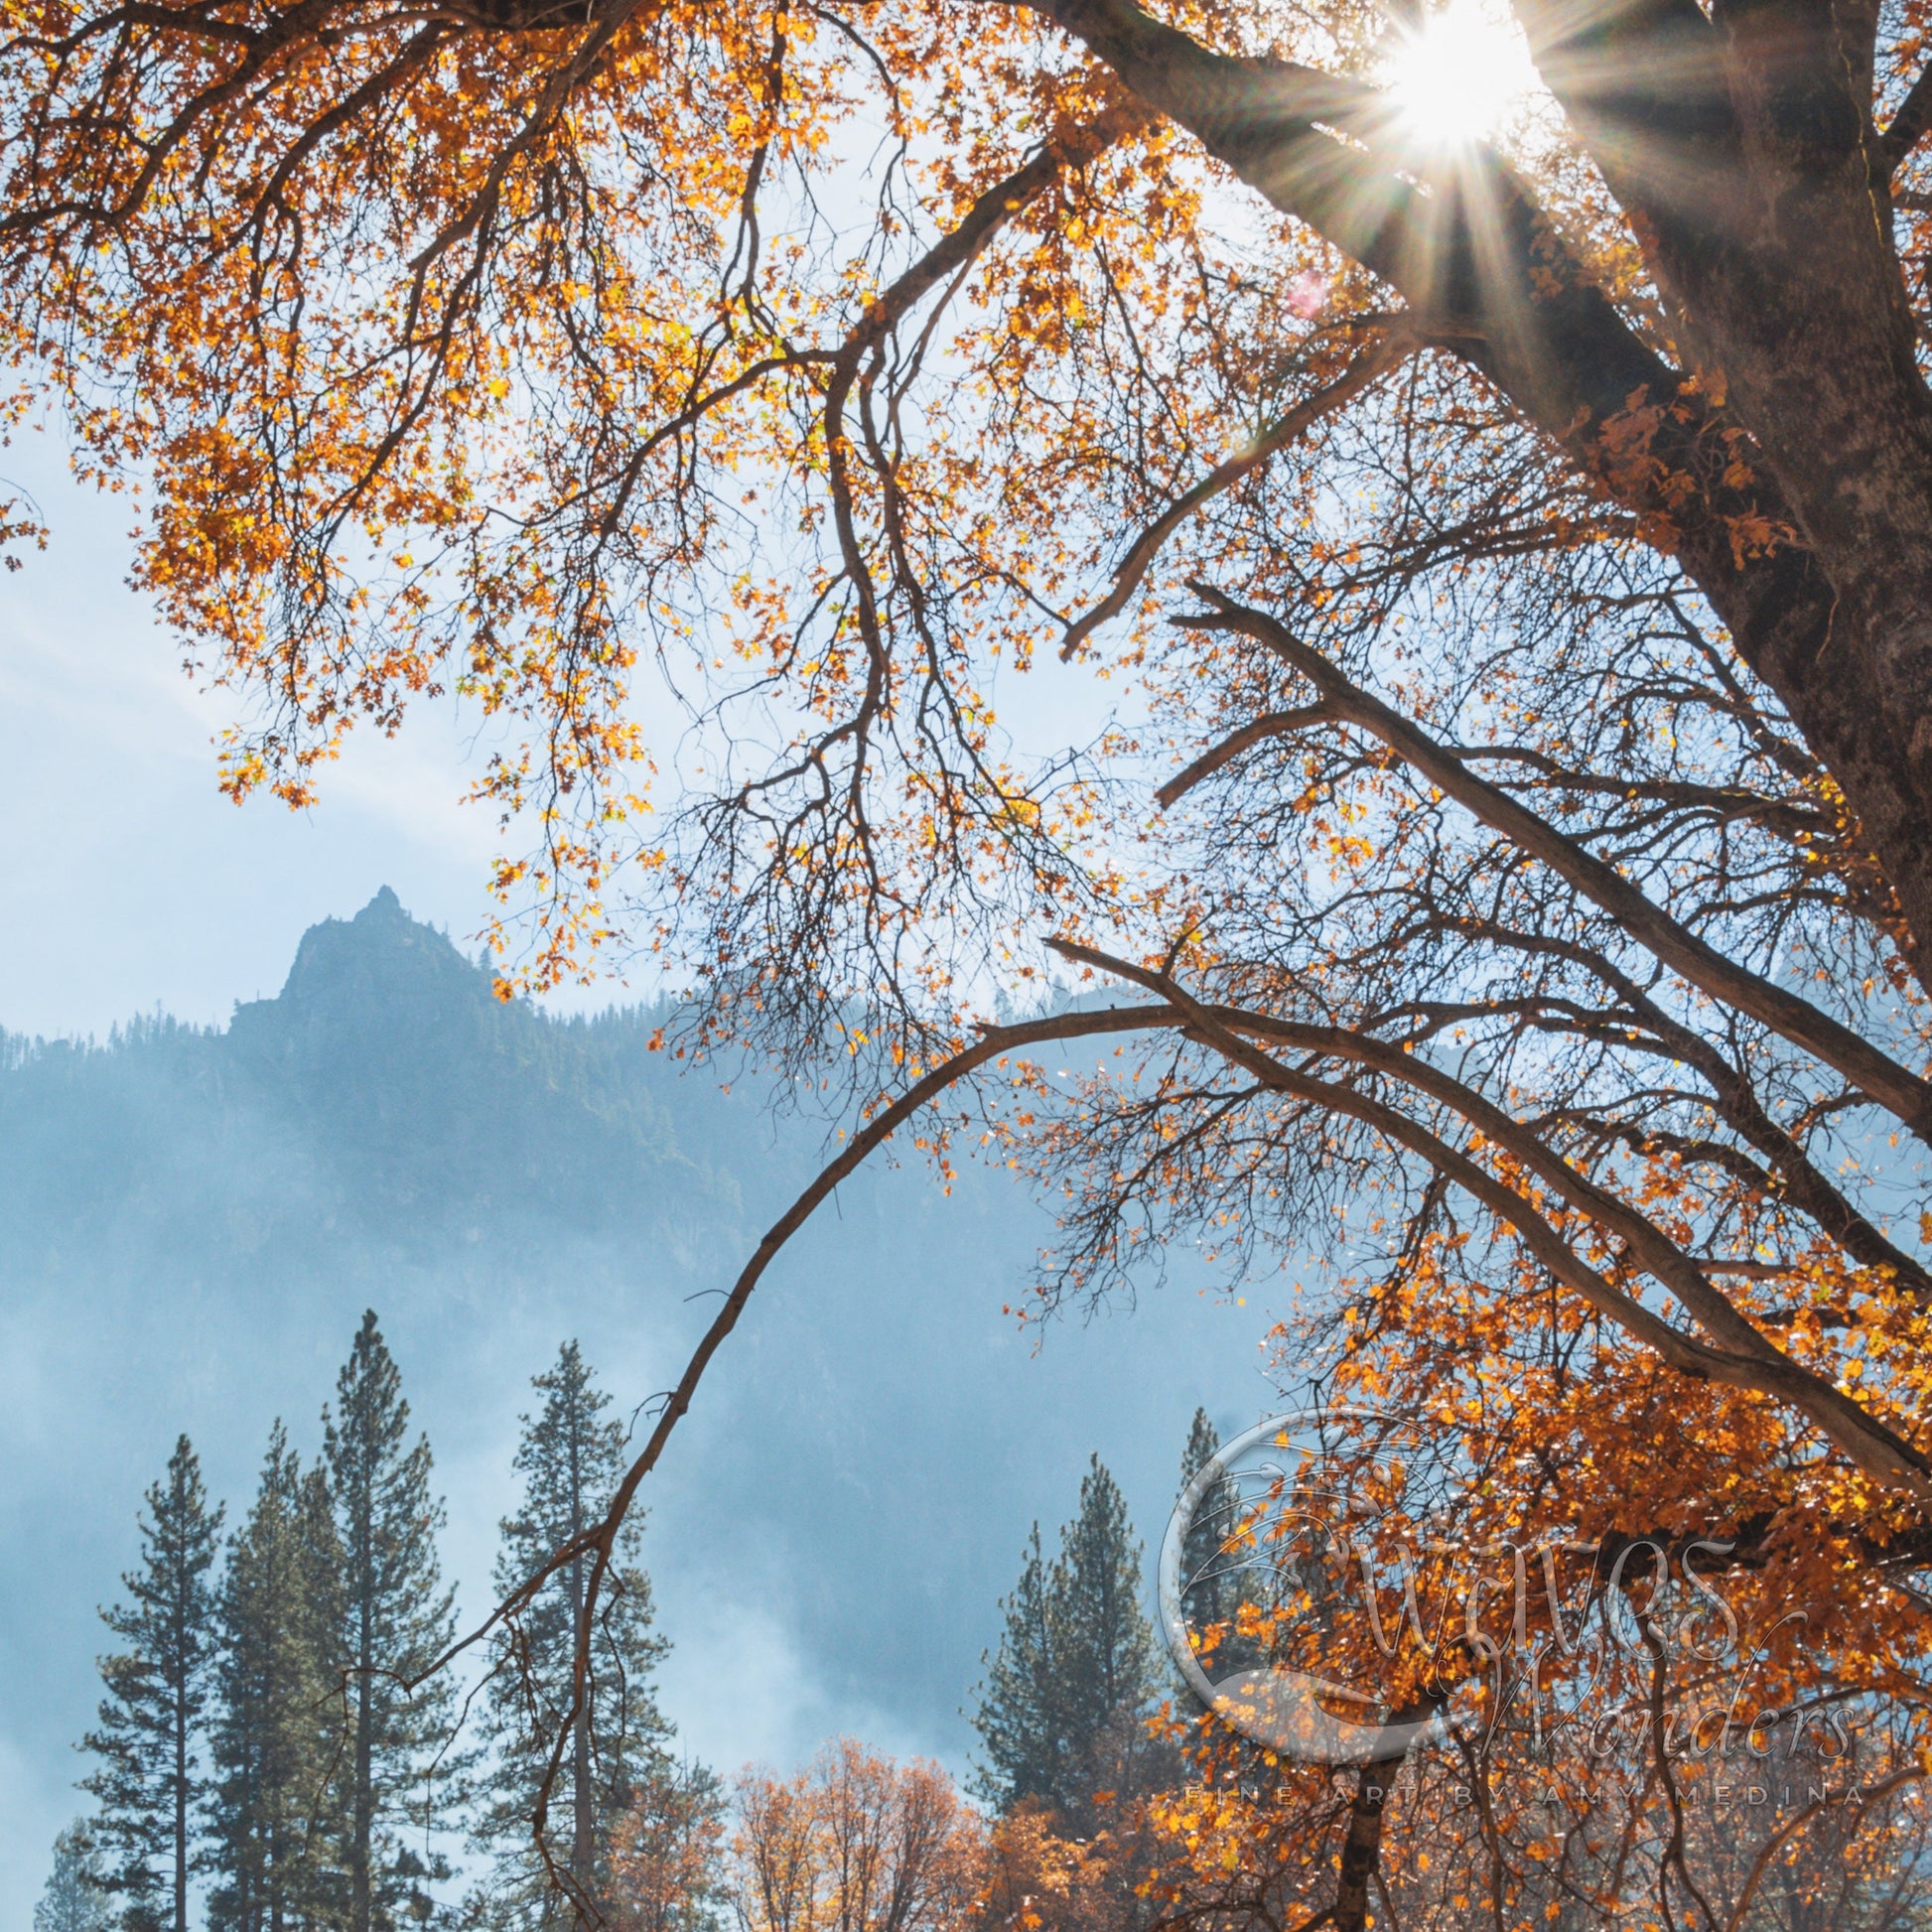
129	881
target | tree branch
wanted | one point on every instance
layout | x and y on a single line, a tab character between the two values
1892	1086
1369	367
1908	126
1750	1361
1273	724
599	1541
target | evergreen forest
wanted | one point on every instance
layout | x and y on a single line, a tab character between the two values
225	1201
275	1752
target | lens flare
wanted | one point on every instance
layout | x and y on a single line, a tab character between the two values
1455	80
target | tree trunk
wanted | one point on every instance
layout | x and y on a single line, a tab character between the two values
362	1822
581	1839
180	1814
183	1638
581	1833
1361	1850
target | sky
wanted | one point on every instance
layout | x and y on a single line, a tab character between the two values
131	881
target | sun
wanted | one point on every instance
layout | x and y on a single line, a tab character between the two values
1455	80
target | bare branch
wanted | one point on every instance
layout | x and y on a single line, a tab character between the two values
1751	1362
1896	1088
1368	368
1907	129
1275	723
599	1540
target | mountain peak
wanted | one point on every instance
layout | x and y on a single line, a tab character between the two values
379	972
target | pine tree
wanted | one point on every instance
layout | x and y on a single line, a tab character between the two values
1061	1714
1104	1662
614	1745
75	1897
1018	1719
151	1783
1210	1575
279	1719
1200	1550
1216	1580
396	1618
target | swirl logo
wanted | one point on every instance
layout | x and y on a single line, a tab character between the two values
1254	1589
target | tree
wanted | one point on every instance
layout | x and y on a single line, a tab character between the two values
608	1739
667	1855
777	1864
1018	1715
1518	834
397	1619
278	1731
1104	1661
1042	1881
1615	411
1232	1848
75	1900
151	1784
1213	1561
855	1843
1062	1712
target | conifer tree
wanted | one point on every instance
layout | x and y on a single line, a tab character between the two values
75	1897
1105	1658
1060	1714
1019	1719
615	1743
396	1618
151	1781
1203	1541
1211	1585
279	1719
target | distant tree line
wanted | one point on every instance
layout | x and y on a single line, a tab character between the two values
264	1753
260	1766
266	1759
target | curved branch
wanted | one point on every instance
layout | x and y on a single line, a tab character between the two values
600	1539
1274	724
1865	1441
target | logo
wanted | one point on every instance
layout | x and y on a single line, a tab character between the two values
1322	1593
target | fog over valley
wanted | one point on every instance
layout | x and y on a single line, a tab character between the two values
193	1221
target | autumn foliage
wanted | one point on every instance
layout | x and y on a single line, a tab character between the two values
855	1843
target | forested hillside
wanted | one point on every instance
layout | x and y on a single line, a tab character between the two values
192	1221
384	1094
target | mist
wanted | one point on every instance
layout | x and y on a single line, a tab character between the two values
192	1220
